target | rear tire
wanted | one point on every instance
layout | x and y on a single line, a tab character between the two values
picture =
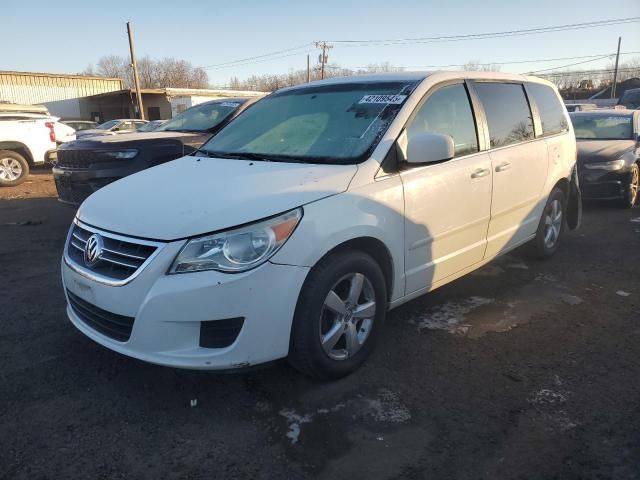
339	315
552	225
631	190
14	168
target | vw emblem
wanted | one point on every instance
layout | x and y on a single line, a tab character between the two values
93	250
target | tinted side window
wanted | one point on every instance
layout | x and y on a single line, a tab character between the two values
447	111
549	108
507	111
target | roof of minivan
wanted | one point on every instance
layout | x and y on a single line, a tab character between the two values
419	76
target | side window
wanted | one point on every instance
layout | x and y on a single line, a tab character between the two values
507	111
448	111
126	126
549	108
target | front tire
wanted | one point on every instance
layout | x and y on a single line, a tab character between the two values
14	168
631	190
552	225
340	312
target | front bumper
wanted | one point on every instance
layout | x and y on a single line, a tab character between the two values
604	185
74	186
168	311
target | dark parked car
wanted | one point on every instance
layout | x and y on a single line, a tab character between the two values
90	163
608	154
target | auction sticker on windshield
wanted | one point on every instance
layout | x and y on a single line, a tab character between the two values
230	104
388	99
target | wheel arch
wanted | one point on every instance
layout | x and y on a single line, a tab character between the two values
564	185
373	247
18	147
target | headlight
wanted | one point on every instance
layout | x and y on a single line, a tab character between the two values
239	249
612	165
118	154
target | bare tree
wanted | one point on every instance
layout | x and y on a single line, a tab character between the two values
166	72
475	65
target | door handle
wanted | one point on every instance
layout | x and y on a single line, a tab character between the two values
479	173
503	166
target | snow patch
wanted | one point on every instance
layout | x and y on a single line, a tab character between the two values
384	407
622	293
449	316
388	408
546	396
295	420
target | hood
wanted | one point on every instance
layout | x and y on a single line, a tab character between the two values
141	139
196	195
592	151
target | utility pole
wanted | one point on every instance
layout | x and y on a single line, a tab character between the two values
308	70
615	71
134	65
324	56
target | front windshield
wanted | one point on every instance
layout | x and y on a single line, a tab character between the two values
323	124
108	125
602	127
149	126
630	99
201	118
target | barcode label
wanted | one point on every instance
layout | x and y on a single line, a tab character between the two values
387	99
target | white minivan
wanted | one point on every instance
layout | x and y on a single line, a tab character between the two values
293	231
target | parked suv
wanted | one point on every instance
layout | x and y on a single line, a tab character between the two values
28	139
297	227
88	164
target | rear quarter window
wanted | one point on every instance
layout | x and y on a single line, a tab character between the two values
549	107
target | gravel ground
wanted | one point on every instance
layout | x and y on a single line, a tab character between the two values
524	369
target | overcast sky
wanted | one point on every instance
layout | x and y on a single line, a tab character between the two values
65	37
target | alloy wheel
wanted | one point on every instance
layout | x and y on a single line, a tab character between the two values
347	316
635	184
10	169
552	223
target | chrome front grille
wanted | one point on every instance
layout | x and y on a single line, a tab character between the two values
120	258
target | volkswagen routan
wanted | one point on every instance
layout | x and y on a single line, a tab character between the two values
297	228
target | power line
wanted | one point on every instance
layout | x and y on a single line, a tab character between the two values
403	41
255	61
306	45
590	72
570	65
478	36
514	62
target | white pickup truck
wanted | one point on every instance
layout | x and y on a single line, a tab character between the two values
28	139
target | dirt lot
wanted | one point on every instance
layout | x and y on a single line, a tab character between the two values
524	369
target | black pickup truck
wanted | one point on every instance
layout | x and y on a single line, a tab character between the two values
88	164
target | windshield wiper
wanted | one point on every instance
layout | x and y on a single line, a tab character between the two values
260	157
206	153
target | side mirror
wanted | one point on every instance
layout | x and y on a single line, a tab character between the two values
429	148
